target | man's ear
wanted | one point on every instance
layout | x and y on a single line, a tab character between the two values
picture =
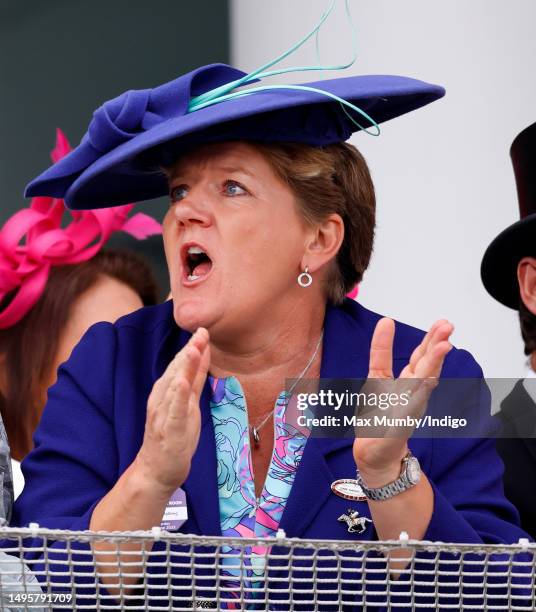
526	277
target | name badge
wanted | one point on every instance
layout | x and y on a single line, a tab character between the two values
176	512
348	488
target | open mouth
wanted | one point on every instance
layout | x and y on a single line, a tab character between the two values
196	263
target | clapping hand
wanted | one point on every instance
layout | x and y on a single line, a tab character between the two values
379	459
173	421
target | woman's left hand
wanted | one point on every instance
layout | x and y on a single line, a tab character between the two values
379	459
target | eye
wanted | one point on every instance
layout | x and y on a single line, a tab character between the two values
232	188
178	193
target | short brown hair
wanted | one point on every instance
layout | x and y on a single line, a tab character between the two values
332	179
29	345
527	321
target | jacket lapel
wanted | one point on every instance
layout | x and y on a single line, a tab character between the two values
345	355
201	486
518	413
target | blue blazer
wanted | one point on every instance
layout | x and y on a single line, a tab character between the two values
93	425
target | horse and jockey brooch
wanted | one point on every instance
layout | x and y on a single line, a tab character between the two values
354	522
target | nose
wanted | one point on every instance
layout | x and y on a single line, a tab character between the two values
193	210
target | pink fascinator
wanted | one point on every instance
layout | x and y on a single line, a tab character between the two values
33	240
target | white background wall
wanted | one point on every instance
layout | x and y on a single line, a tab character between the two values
443	175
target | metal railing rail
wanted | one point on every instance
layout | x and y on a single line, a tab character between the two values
49	569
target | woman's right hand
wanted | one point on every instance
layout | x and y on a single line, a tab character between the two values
139	497
173	420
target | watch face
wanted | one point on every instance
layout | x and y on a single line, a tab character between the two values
413	470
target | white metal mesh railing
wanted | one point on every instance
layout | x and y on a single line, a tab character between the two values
164	571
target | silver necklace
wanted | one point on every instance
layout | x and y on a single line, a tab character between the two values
255	429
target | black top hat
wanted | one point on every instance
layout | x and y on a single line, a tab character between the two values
499	264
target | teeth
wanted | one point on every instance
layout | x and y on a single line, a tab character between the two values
194	250
192	277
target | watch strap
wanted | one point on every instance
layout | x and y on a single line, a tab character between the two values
401	484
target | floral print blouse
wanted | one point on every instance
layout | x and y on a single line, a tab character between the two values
241	515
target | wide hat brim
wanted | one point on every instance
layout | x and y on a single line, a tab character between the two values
131	171
499	264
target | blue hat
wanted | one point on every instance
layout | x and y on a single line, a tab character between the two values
132	136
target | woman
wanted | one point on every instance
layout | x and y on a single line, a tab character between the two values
263	238
105	288
46	309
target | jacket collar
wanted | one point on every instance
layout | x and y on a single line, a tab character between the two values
201	486
518	412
